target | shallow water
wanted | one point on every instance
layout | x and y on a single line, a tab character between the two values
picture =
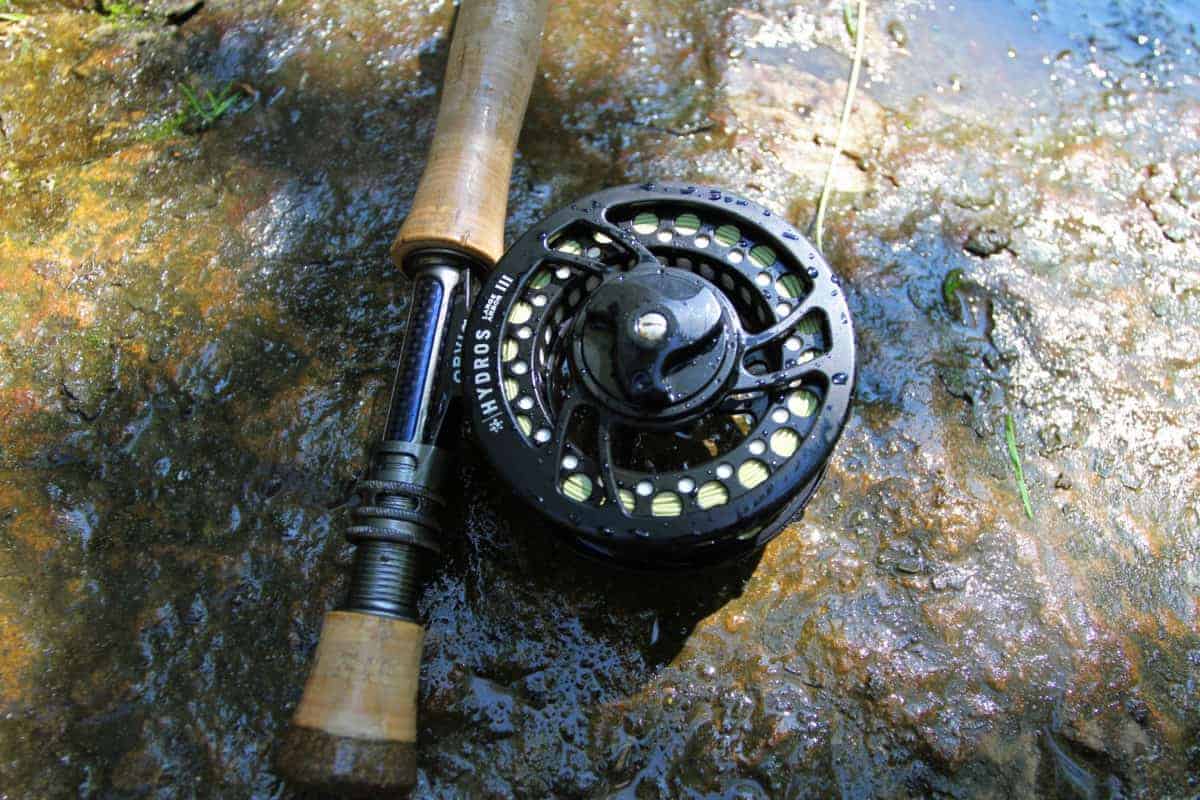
195	334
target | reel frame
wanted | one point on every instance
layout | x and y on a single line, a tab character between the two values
787	364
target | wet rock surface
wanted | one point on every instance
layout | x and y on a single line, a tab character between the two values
197	320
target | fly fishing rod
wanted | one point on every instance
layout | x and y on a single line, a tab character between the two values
663	370
355	728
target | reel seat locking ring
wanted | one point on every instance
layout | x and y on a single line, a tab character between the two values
397	501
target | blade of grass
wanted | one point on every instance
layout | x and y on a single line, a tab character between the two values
860	38
226	101
190	96
849	20
1010	439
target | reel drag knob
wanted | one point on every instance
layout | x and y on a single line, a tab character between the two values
651	338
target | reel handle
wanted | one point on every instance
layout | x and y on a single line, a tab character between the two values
462	199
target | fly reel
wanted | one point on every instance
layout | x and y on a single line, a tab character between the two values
663	370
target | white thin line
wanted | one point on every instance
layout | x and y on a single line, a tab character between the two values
860	38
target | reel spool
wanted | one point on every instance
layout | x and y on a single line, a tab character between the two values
663	370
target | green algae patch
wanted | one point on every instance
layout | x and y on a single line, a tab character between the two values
950	286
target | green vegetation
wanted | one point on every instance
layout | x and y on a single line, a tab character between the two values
850	19
206	109
950	286
1010	440
117	9
10	16
201	110
166	128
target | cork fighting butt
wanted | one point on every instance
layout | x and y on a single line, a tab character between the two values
355	730
463	195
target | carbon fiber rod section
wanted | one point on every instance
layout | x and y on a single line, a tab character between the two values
395	524
416	371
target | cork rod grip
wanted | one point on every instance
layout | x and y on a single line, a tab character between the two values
355	730
463	194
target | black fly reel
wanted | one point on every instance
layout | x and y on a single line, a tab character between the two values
663	370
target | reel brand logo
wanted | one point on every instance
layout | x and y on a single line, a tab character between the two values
456	355
481	351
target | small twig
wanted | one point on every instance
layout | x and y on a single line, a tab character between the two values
1010	439
860	38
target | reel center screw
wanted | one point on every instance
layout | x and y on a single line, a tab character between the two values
651	327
